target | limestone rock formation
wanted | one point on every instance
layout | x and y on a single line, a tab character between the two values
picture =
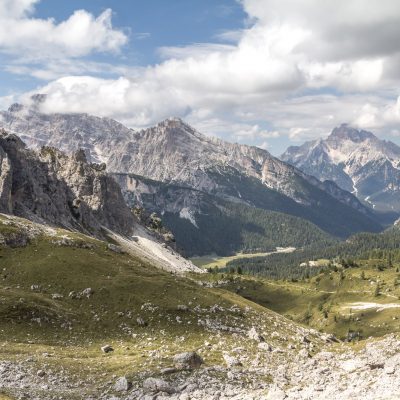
51	187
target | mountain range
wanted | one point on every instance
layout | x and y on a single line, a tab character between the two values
214	196
357	161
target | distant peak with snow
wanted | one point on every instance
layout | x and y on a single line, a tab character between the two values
358	161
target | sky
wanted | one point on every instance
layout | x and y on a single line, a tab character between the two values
269	73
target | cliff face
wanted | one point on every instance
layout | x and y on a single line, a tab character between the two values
50	187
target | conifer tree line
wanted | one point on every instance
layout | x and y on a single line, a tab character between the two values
384	248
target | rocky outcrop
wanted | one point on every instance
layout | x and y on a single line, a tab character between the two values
51	187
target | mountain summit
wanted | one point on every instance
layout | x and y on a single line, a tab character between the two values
357	161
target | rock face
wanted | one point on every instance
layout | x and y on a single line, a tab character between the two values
357	161
51	187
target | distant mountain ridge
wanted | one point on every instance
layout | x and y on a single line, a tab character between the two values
174	155
357	161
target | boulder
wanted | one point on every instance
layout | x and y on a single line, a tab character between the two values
155	385
122	384
188	360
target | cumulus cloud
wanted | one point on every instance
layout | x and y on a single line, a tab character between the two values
340	30
298	69
79	35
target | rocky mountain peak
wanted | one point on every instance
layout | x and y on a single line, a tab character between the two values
358	161
16	107
173	129
346	132
174	122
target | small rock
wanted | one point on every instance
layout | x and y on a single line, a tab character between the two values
305	339
376	365
115	249
167	371
389	370
254	335
276	393
87	292
304	353
264	346
141	322
122	384
231	361
107	348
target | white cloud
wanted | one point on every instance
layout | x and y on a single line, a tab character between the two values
341	30
255	131
299	68
264	145
35	38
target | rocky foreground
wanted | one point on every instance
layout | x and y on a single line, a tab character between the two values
370	371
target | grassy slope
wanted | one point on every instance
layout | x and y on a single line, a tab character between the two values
324	301
71	331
